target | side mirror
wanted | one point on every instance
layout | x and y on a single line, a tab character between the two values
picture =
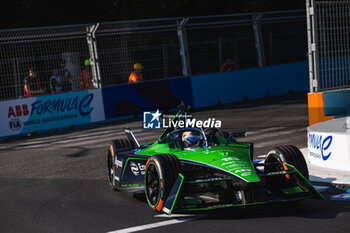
235	135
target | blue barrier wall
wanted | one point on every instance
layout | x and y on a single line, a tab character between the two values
234	86
337	103
118	102
131	99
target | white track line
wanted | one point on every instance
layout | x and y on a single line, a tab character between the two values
176	216
153	225
321	189
272	143
273	134
84	141
265	130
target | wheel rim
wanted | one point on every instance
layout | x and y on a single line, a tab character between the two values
110	170
276	164
152	185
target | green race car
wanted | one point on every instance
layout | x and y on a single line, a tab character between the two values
216	171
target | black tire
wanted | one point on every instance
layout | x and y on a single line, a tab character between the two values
274	163
112	148
160	175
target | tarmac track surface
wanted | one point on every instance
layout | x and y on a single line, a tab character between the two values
56	182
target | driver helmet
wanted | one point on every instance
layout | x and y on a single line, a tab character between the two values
190	140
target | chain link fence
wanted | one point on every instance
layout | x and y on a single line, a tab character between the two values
167	48
153	43
45	51
329	44
333	23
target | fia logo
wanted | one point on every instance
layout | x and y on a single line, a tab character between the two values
151	120
15	124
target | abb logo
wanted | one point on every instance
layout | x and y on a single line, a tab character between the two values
18	111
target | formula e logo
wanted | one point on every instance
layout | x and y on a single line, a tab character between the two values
15	124
151	120
321	145
137	169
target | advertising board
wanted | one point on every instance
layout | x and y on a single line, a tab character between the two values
23	116
329	150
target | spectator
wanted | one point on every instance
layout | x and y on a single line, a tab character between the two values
229	65
65	77
136	75
32	84
86	78
55	83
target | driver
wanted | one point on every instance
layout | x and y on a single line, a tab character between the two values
190	140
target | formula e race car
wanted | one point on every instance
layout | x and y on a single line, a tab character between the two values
192	168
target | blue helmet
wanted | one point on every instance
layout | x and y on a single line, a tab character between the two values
190	140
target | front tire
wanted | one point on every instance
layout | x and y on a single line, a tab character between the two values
274	162
160	175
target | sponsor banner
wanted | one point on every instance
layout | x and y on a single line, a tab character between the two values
27	115
329	150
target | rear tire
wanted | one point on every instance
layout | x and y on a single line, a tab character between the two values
160	175
112	149
274	162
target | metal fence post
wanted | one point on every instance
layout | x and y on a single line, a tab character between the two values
16	78
95	66
220	52
312	45
185	59
258	39
165	60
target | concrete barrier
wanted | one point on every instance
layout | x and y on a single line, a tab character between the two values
235	86
131	99
328	105
337	102
329	144
42	113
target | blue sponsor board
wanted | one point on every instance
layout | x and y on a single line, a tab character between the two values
49	112
133	99
254	83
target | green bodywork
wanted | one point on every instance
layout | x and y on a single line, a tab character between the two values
233	159
226	155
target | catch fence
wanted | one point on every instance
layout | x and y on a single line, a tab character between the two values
167	48
329	44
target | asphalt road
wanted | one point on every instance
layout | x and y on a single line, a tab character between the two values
56	182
